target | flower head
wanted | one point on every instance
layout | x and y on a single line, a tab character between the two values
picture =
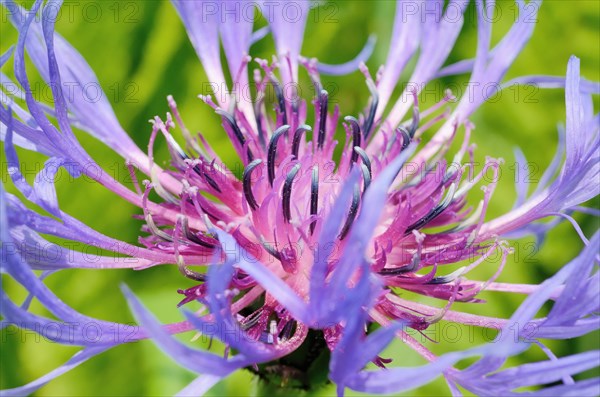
314	246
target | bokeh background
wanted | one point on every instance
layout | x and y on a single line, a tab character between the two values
140	53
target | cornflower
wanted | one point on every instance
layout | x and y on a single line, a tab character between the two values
310	251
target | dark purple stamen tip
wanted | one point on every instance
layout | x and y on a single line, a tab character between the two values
280	100
197	168
406	137
365	158
434	213
272	151
351	214
366	176
190	273
288	330
396	271
297	136
228	117
356	136
207	178
323	104
175	146
314	197
271	250
442	279
247	183
373	109
191	236
287	192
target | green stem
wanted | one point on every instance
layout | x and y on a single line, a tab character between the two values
263	388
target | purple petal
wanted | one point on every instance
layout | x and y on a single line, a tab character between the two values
327	241
588	387
474	378
405	39
581	294
576	183
73	229
4	228
577	180
263	276
352	65
575	136
529	308
288	33
62	144
373	203
487	72
73	329
40	254
43	192
346	361
28	135
259	34
521	184
201	20
195	360
545	372
236	33
20	139
582	137
94	116
484	36
394	380
555	164
541	81
439	33
579	328
228	329
49	15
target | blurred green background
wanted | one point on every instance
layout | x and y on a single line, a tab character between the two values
140	53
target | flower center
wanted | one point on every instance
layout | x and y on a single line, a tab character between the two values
277	213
